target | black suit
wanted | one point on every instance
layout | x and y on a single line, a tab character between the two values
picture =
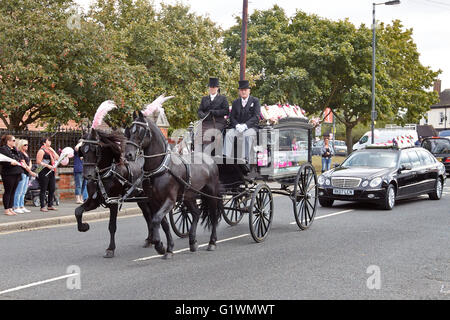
249	115
218	109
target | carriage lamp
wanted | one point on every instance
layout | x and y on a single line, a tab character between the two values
375	182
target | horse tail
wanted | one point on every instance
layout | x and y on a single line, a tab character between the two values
211	212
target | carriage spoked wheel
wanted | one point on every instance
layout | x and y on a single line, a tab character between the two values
234	210
260	212
305	196
180	220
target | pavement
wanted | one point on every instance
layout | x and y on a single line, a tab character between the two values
65	214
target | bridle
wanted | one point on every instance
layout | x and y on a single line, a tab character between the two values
87	143
163	166
139	148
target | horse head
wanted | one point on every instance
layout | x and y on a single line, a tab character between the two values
138	136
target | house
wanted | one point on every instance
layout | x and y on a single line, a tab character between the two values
439	114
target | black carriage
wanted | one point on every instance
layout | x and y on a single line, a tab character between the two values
283	167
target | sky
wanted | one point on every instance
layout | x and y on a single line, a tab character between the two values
429	19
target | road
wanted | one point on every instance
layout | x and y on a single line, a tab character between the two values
352	251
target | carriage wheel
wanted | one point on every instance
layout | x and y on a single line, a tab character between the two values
260	212
180	220
305	196
235	210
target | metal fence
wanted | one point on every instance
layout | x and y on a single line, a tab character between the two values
59	139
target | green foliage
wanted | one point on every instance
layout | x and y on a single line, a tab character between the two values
52	70
319	63
179	50
123	50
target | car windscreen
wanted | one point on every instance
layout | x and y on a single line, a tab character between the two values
339	143
437	146
373	158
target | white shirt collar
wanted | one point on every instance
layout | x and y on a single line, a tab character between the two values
212	96
244	101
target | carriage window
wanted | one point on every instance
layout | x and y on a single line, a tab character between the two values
292	151
292	140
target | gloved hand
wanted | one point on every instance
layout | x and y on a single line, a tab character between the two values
241	127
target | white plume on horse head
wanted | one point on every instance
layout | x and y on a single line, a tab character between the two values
155	105
102	110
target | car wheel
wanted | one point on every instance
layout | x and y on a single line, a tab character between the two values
437	193
389	201
327	203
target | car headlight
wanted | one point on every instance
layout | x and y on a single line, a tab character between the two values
321	180
364	184
327	182
375	182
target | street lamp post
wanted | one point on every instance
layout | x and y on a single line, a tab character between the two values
374	112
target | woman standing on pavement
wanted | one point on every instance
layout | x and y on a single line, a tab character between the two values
327	153
80	182
19	197
46	158
11	172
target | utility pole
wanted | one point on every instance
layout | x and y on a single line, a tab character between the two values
244	39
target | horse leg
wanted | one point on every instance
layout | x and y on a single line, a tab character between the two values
193	208
146	211
156	223
214	218
166	227
113	209
89	204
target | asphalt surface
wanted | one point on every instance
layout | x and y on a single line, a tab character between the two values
334	259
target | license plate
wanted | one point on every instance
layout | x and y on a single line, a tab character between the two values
344	192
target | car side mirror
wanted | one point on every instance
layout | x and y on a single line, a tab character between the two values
336	165
405	167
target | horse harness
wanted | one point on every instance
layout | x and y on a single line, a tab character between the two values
110	171
163	168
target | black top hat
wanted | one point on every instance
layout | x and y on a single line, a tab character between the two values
213	82
243	84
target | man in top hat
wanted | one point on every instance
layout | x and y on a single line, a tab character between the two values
244	120
213	109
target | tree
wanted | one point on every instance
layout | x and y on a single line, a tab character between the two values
319	63
55	65
179	50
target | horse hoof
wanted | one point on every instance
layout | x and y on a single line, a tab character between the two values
211	247
109	254
83	227
168	256
160	248
147	244
193	247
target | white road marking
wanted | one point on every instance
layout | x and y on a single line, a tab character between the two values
39	283
187	249
330	215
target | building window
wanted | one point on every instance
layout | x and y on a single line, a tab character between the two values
441	118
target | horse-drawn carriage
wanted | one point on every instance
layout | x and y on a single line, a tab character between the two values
162	181
283	166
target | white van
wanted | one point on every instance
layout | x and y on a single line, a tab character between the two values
382	136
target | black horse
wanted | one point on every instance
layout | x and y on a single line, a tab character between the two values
170	178
109	178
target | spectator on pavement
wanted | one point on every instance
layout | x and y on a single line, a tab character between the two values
46	157
80	183
19	197
11	172
327	153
